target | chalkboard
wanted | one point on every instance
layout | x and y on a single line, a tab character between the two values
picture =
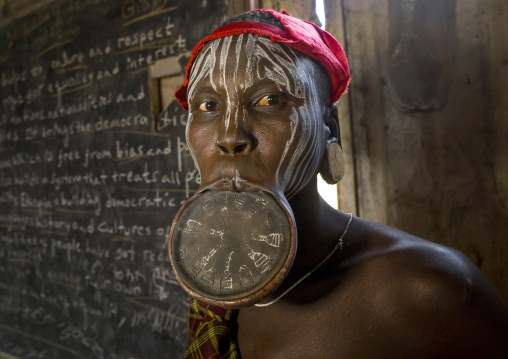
89	182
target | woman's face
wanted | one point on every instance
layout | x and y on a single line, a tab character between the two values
255	116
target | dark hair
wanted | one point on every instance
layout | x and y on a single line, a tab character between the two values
267	18
255	16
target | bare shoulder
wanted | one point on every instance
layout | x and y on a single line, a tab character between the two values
438	299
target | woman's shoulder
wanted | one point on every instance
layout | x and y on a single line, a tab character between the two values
433	289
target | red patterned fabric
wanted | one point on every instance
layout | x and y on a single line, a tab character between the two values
298	34
211	332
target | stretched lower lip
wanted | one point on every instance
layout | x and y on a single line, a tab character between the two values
235	185
223	185
229	185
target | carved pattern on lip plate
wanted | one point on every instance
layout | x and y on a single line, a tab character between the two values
229	245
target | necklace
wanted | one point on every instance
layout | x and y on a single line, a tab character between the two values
338	245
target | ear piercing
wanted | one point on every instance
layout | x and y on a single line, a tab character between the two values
335	161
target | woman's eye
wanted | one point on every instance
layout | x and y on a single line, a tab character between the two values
209	106
269	100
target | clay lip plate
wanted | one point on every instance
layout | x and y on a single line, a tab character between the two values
232	248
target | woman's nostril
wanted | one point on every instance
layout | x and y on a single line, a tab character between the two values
223	149
240	148
232	148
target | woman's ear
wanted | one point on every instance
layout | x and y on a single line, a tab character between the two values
332	165
332	121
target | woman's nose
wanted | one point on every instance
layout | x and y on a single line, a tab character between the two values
236	138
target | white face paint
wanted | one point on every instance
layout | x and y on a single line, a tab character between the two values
232	70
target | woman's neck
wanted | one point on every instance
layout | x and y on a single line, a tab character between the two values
318	228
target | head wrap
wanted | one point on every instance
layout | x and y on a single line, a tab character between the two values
299	34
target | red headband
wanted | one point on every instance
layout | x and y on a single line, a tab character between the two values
298	34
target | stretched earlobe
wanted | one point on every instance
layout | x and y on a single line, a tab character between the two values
332	167
334	164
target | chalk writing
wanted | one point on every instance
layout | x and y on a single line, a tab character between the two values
66	60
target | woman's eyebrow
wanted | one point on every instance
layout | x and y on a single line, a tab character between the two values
266	82
202	91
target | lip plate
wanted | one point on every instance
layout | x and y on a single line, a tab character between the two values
198	272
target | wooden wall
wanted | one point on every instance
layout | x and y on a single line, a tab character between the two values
429	120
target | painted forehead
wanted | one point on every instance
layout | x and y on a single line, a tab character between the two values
251	58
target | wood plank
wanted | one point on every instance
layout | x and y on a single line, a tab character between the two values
168	86
440	174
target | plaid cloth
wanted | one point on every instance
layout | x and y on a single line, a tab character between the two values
211	332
